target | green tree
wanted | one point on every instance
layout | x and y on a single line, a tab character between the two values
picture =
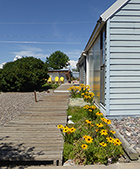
57	60
25	74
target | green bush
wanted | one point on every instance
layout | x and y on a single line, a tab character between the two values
90	141
47	86
23	75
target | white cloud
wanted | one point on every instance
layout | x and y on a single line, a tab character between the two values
73	64
1	65
35	52
17	57
73	55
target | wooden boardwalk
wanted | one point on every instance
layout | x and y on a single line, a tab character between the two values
33	135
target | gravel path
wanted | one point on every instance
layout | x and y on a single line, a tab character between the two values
129	127
12	103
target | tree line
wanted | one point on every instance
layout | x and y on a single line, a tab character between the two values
29	73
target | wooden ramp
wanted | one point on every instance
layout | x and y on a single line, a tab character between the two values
33	135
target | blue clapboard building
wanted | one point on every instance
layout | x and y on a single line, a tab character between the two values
110	62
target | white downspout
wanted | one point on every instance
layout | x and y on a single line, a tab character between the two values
108	69
87	65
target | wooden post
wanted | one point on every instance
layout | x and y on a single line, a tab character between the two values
35	95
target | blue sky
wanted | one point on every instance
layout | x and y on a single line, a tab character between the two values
40	27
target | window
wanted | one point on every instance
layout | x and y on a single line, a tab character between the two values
102	67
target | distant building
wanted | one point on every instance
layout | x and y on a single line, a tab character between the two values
110	62
75	75
60	73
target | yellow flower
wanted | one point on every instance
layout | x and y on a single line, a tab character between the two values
93	107
72	129
65	130
90	110
110	139
97	130
103	144
88	121
117	141
112	131
99	125
84	146
89	139
65	127
99	114
103	119
85	136
103	132
60	126
108	121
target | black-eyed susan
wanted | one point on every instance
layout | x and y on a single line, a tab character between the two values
65	130
88	121
104	120
97	130
89	139
99	114
110	139
112	131
108	121
99	125
85	136
91	125
84	146
72	129
65	127
90	110
117	141
60	126
103	144
103	132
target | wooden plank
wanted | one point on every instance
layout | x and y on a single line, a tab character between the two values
122	31
124	73
126	84
124	49
33	135
125	67
124	25
125	107
125	90
130	112
132	6
125	61
124	79
125	37
125	101
125	56
125	96
128	13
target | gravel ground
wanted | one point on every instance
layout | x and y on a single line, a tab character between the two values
12	103
129	127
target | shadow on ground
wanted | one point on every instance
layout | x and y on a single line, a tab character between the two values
18	155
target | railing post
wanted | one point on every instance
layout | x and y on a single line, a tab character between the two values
35	95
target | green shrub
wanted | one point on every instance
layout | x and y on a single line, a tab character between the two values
89	141
47	86
24	75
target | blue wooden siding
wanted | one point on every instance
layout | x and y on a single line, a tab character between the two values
124	61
